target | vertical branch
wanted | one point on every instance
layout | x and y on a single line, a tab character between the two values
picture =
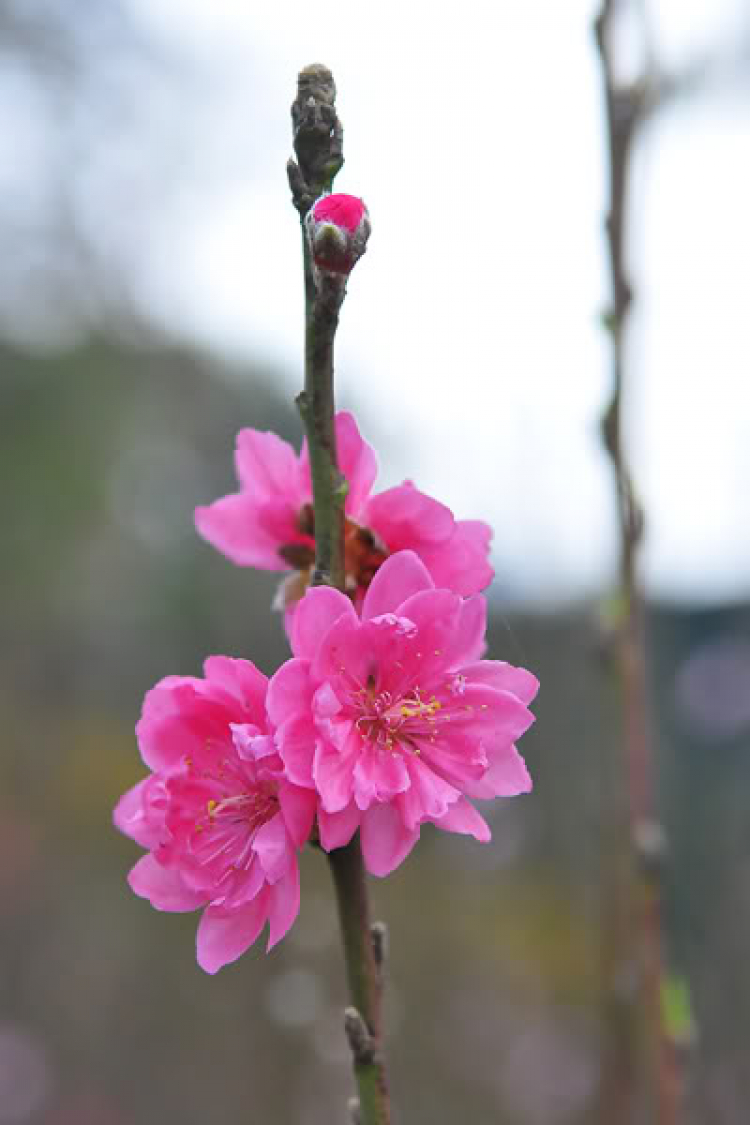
318	139
318	144
625	109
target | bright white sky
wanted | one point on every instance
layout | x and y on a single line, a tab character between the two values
469	342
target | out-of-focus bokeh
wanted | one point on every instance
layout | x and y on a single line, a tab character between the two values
150	306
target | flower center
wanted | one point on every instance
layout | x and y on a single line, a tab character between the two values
250	809
390	722
364	553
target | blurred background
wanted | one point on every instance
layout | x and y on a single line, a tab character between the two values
150	306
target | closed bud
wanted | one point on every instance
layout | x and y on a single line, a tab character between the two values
338	227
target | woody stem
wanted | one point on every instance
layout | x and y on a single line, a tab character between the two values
318	138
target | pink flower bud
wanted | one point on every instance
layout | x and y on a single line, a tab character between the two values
338	227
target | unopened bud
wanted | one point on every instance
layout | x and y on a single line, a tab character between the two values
338	227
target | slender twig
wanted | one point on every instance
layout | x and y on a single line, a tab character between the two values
318	140
625	109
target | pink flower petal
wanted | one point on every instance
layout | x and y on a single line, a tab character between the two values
242	681
297	739
458	757
428	796
386	842
379	775
223	936
336	829
406	518
164	738
163	886
271	846
284	905
131	818
436	617
251	746
470	644
398	578
233	526
461	563
357	461
298	809
507	776
289	691
320	608
332	774
504	677
463	817
267	466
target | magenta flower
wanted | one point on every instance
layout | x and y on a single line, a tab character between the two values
393	718
221	822
338	227
269	523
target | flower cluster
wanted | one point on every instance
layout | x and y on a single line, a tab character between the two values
385	718
269	523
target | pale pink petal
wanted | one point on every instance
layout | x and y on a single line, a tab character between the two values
504	717
470	643
332	774
164	738
242	681
163	886
298	809
436	616
289	691
460	564
326	703
378	775
341	649
428	796
386	841
505	677
223	936
283	905
296	740
251	746
336	829
463	817
407	519
507	776
320	608
267	467
357	462
458	757
398	578
273	848
232	525
130	816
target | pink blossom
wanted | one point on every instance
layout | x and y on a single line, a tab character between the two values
269	523
393	718
221	823
338	227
